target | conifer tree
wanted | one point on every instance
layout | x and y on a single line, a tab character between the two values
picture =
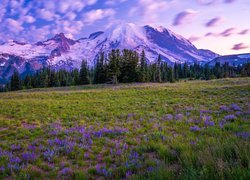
143	68
15	81
114	66
84	73
158	69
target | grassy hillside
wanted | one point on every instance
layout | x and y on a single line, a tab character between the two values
194	129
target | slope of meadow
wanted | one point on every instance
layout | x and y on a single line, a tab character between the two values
186	130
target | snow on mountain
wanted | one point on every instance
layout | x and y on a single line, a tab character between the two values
233	60
62	52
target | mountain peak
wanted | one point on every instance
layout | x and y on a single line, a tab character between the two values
59	37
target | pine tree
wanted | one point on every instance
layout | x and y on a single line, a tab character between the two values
15	81
84	74
100	74
143	68
75	77
185	70
114	66
207	74
176	72
27	82
164	70
158	69
171	75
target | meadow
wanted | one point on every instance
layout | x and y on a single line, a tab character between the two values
183	130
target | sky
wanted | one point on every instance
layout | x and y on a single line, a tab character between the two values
222	26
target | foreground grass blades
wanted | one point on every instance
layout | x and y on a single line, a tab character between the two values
186	130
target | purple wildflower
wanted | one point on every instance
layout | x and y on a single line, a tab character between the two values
128	174
15	147
2	168
243	135
48	155
86	155
125	146
15	160
224	108
195	128
238	113
31	147
150	169
235	107
222	123
192	142
66	171
179	117
230	117
28	157
209	123
167	117
206	111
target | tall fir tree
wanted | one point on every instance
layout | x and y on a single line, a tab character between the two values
84	73
114	66
158	69
15	82
143	75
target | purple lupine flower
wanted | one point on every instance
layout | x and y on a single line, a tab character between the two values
15	167
15	160
192	142
48	155
179	117
168	117
222	123
15	147
31	147
125	146
189	121
66	171
207	118
230	117
103	171
206	111
243	135
209	123
86	155
28	156
2	168
118	152
150	169
128	174
224	108
235	107
195	128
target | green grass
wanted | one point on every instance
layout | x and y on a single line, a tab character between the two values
145	145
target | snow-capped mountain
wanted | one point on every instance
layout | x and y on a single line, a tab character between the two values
62	52
233	60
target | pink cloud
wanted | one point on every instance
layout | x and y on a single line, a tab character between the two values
229	1
228	32
14	26
206	2
149	10
244	32
98	14
184	17
215	22
240	46
194	38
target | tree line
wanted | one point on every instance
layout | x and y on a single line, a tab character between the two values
124	66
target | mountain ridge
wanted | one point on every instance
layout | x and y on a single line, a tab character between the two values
62	52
